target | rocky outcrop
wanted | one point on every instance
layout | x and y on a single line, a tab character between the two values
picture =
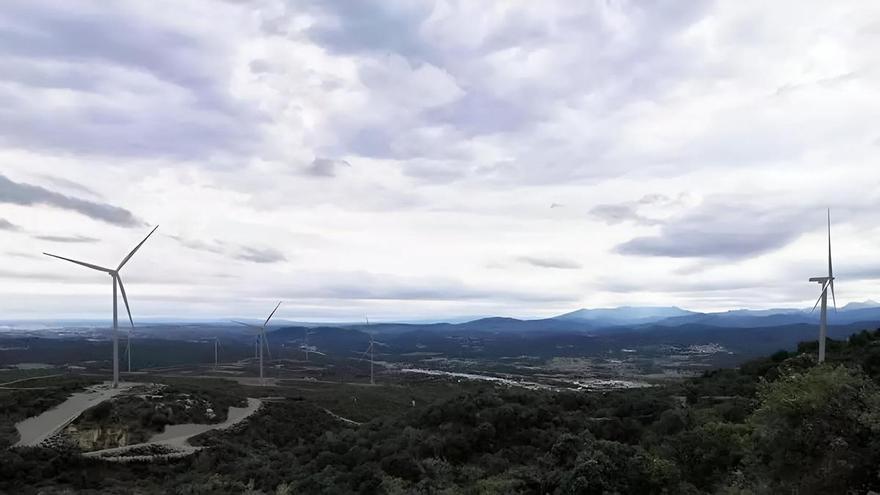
99	438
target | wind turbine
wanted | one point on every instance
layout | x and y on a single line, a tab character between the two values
216	353
305	347
370	348
117	280
826	283
261	335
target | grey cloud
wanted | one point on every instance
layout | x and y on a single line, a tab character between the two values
7	225
844	269
426	294
10	274
653	199
101	50
624	71
371	286
213	246
19	254
721	228
435	172
246	253
358	27
325	167
548	262
371	141
27	195
613	214
685	285
69	184
63	238
827	82
260	255
260	66
481	112
628	211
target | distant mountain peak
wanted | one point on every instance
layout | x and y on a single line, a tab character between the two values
861	305
625	314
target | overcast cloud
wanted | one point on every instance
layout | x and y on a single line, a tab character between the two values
26	194
410	159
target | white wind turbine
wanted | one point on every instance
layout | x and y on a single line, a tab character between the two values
826	283
117	280
370	348
305	347
261	335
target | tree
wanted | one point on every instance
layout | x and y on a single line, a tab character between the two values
816	431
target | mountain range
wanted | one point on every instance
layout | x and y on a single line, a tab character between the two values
672	316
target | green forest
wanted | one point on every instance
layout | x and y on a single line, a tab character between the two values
780	424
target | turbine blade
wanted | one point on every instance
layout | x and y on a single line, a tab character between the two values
365	352
830	271
83	263
266	341
250	325
124	299
833	299
824	288
830	268
272	313
125	260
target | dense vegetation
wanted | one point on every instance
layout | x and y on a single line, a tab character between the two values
775	425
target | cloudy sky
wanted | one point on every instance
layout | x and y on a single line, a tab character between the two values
412	159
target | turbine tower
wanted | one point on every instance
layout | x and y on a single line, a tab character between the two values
117	280
216	353
261	335
370	348
826	283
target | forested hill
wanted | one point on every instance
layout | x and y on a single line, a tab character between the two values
781	424
775	425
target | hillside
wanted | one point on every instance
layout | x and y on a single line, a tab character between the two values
775	425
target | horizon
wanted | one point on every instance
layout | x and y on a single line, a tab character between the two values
170	320
303	156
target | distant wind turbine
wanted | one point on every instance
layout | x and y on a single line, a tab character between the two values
261	335
826	283
305	347
117	280
373	344
216	352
